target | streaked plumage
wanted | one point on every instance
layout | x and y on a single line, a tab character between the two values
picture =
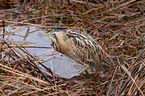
80	47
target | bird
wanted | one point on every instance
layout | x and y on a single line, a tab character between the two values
81	47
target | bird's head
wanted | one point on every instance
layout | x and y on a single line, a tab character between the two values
60	41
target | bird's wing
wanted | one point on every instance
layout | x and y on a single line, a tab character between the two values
88	50
102	54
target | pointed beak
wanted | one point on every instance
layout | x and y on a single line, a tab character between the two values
51	36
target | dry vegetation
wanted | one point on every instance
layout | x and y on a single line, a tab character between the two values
119	26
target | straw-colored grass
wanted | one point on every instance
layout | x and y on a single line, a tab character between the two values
118	25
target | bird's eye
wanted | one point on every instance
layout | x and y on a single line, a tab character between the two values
53	35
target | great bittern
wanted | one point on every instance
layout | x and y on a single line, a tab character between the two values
80	47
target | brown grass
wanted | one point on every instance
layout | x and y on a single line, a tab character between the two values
118	25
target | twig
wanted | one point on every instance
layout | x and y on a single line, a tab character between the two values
128	69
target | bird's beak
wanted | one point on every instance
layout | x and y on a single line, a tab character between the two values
51	36
45	35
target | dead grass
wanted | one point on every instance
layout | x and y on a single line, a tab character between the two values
119	26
